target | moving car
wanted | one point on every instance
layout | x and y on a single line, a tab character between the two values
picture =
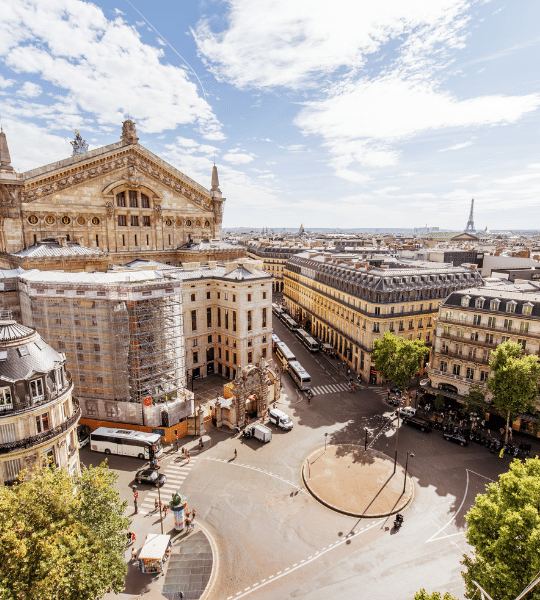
419	423
150	476
406	411
457	438
279	418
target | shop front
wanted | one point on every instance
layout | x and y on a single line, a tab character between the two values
155	552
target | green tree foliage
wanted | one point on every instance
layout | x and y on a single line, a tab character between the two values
423	595
62	537
514	381
475	401
504	530
397	359
438	403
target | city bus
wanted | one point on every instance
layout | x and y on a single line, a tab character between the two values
290	323
284	354
277	310
126	442
310	343
275	341
299	375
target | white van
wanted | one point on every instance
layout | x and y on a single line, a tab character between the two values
279	418
407	411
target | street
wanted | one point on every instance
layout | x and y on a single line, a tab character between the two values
274	540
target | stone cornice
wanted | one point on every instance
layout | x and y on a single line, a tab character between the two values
136	162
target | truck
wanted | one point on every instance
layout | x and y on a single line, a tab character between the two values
260	432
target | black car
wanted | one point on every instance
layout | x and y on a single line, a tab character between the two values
457	438
419	423
150	476
395	390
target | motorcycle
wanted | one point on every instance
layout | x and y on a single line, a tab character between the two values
398	521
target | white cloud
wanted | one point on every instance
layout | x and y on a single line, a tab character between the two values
238	158
100	65
5	83
30	90
456	147
296	41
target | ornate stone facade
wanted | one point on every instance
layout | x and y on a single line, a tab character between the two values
121	199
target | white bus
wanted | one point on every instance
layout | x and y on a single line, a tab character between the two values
310	343
299	375
284	354
277	310
126	442
290	323
275	341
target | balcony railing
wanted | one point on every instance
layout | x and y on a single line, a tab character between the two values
42	437
454	377
484	326
462	356
21	406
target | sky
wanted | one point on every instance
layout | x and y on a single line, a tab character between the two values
344	114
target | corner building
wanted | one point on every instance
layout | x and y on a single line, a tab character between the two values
38	414
348	302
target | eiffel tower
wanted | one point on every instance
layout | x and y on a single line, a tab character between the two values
470	222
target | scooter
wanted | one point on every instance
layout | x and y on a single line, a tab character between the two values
398	521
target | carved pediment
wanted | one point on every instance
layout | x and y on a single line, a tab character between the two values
135	166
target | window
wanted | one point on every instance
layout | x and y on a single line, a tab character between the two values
527	309
411	324
479	302
522	343
234	358
391	328
489	338
456	369
449	314
195	357
401	328
226	296
146	222
465	301
250	357
36	389
460	333
264	295
420	326
249	298
79	346
145	201
508	324
195	343
264	352
6	399
494	304
470	373
61	345
193	320
249	323
226	319
524	327
209	339
477	319
122	221
121	199
264	317
208	295
444	366
234	320
99	379
219	318
377	310
427	337
219	352
134	220
250	342
42	422
218	295
133	199
491	322
484	375
97	348
375	327
511	307
193	297
209	317
264	339
227	355
474	336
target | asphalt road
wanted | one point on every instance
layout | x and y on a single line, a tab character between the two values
276	541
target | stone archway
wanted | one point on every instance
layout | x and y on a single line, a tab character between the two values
252	380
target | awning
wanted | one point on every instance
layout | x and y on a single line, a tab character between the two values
154	547
428	388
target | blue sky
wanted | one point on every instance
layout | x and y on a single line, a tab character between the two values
350	113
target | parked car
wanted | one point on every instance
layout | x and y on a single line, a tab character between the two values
150	476
406	411
419	423
457	438
396	390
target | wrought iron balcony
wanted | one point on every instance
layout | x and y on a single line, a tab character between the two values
42	437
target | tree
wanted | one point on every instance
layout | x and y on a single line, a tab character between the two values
475	401
514	381
423	595
504	530
398	359
62	536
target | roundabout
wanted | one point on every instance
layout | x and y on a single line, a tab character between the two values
357	482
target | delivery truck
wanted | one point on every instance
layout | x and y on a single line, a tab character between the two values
260	432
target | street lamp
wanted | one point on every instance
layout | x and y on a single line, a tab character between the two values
325	436
157	468
135	496
406	464
365	442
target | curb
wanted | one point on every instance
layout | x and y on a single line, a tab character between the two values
408	500
215	564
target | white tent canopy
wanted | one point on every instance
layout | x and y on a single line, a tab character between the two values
154	547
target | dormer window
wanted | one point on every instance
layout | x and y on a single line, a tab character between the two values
511	306
37	390
465	301
494	304
480	302
527	309
6	399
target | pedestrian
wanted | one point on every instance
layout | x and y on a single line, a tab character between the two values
177	442
160	506
417	394
248	421
348	372
194	513
188	524
510	435
183	450
133	554
188	453
388	394
359	378
164	510
156	505
235	453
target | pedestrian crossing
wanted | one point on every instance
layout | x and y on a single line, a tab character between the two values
176	473
331	388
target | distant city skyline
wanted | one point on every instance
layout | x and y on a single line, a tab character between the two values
369	115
